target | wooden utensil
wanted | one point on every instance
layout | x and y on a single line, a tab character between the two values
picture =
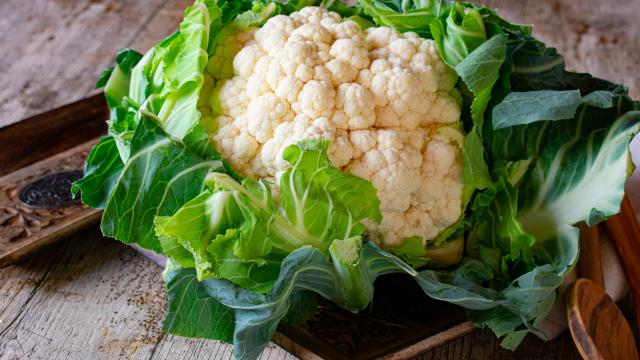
625	232
590	264
598	328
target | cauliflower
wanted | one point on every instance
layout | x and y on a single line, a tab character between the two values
379	96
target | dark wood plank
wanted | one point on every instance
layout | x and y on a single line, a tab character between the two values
28	141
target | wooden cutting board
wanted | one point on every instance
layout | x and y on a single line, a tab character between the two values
41	156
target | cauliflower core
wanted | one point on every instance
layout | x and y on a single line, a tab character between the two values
378	95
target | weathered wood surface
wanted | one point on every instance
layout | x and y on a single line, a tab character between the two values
88	297
53	51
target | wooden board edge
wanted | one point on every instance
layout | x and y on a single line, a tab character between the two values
294	348
50	162
433	341
82	222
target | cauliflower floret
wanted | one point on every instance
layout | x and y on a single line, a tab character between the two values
316	99
264	114
378	96
355	101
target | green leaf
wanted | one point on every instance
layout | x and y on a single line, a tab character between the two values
182	70
565	171
235	231
322	201
412	252
222	234
459	33
176	253
582	178
498	237
258	274
104	77
352	272
520	108
160	176
476	172
192	311
101	170
480	71
117	85
409	16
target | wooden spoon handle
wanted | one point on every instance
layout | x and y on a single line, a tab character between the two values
625	232
590	265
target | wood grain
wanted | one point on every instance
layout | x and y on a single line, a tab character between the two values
599	329
30	140
590	263
625	233
89	297
53	51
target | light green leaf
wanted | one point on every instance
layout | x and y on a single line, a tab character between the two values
459	33
409	16
117	85
224	235
585	179
322	201
160	176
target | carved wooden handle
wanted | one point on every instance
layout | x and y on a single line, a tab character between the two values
34	206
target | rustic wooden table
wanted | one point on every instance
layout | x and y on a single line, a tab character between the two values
88	297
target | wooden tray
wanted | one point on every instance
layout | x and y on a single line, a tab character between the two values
41	156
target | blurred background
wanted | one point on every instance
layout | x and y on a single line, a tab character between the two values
54	50
52	53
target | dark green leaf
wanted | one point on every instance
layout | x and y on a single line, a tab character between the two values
520	108
104	77
101	170
192	311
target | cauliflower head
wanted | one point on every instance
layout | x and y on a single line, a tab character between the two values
379	96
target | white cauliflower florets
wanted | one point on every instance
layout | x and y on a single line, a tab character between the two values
378	95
